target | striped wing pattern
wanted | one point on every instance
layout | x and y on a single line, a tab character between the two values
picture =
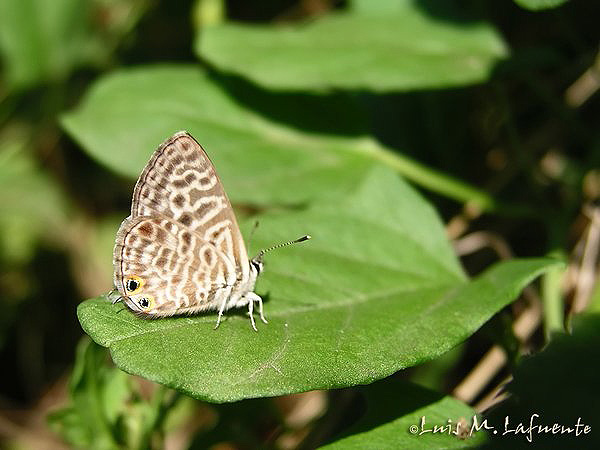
181	183
181	251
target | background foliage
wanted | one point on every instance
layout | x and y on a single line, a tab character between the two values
314	113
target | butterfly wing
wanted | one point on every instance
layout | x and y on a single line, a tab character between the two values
171	269
180	183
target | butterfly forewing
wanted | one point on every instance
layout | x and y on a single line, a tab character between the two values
180	182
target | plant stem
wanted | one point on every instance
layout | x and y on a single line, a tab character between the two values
552	300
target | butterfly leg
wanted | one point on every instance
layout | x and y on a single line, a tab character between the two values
260	308
250	309
221	309
252	297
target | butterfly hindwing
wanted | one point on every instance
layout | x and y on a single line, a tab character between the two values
178	270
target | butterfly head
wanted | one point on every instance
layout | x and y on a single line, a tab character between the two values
135	298
257	264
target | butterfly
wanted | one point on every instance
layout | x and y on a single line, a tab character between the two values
181	250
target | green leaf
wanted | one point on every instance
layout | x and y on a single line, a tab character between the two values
395	410
379	49
97	393
44	41
105	410
378	289
128	114
559	385
33	205
538	5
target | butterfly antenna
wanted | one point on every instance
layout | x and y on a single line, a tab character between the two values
306	237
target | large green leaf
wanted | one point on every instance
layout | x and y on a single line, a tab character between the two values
399	48
126	115
44	40
378	289
402	415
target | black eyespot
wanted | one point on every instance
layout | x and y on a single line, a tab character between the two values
132	285
144	302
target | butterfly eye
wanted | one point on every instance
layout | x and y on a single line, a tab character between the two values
133	284
146	303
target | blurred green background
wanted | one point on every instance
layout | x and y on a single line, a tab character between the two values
489	108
